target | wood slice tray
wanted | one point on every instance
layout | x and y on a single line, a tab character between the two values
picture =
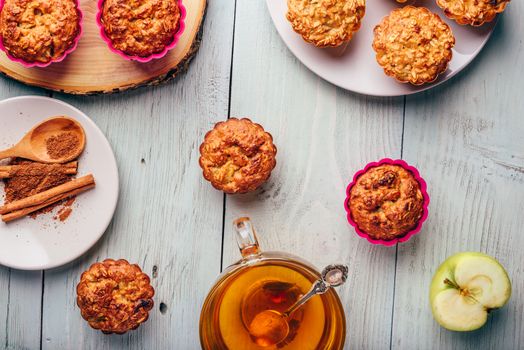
93	69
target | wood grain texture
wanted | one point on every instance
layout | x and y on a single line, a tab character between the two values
25	291
93	69
167	220
323	135
466	139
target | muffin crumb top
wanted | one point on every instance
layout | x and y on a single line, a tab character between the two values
114	296
413	45
140	27
326	23
473	12
237	156
39	30
386	202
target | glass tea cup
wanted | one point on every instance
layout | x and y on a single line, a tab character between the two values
268	281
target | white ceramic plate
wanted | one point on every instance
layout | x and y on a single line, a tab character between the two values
43	243
356	69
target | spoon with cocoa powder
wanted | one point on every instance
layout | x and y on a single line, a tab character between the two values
55	140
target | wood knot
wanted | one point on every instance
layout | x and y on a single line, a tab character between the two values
163	308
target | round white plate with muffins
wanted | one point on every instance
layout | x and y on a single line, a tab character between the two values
417	49
55	238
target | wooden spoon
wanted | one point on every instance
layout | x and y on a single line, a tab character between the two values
33	144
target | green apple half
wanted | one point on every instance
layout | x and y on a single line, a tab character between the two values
465	288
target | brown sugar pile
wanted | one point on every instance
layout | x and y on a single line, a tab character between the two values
62	145
32	178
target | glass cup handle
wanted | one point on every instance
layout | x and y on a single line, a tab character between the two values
246	238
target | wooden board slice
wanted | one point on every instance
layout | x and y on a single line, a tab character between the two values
93	69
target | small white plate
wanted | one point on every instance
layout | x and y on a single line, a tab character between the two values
356	69
43	243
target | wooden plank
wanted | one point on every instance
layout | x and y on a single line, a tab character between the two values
324	135
168	218
466	139
20	292
4	304
24	310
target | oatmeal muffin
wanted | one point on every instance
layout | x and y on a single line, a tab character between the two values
140	27
413	45
386	202
237	156
114	296
39	31
326	23
473	12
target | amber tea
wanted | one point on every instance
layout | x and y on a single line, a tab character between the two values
271	285
269	282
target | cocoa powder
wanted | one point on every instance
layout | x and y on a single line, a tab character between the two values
63	213
62	145
32	178
35	169
66	210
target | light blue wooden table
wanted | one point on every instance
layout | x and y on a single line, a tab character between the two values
466	137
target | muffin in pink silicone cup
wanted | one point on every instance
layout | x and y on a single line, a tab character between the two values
387	202
141	30
39	32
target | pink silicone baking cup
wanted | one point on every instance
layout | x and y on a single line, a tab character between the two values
178	34
61	58
423	189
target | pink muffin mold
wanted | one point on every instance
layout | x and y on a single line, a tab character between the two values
176	37
423	189
61	58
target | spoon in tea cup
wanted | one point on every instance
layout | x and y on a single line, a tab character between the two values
270	327
34	146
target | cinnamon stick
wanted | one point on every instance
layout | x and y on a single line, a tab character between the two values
17	214
36	169
50	196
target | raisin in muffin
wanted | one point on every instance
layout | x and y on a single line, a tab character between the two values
39	31
140	27
473	12
114	296
413	45
326	23
386	202
237	156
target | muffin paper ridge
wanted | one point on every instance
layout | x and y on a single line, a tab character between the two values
61	58
423	189
176	38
